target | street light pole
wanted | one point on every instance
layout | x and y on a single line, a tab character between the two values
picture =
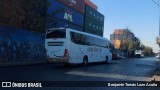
159	18
159	12
158	38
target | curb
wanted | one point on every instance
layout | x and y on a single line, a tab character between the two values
156	76
22	63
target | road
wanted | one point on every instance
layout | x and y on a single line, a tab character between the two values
133	69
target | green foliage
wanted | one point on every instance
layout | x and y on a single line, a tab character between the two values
27	14
14	12
142	47
132	45
157	41
1	8
35	15
124	47
15	18
148	51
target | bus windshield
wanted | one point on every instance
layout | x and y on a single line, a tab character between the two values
56	33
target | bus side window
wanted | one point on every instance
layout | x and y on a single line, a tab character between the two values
79	38
72	37
83	40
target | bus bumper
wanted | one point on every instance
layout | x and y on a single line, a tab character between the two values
57	60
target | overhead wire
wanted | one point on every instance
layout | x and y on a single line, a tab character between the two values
156	3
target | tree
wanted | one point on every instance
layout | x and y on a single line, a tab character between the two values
1	7
138	44
142	47
35	14
158	40
131	47
11	12
148	51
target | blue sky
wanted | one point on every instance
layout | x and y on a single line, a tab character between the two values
140	16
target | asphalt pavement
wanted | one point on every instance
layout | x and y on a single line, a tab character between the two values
133	69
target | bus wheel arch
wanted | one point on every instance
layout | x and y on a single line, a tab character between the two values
106	59
85	60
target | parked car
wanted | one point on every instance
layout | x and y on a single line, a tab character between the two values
158	55
114	56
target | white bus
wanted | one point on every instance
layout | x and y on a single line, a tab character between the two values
73	47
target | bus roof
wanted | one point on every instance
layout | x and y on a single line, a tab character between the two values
69	29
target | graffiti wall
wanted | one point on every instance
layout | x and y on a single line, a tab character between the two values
18	45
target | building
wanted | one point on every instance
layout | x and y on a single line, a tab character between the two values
125	42
121	37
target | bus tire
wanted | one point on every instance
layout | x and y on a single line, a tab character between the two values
85	60
106	61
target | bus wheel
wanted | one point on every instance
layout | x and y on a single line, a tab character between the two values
106	61
85	61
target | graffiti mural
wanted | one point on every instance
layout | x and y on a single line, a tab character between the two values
19	45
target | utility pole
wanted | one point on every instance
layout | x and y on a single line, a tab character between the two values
158	41
158	38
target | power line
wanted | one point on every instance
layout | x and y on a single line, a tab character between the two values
156	3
